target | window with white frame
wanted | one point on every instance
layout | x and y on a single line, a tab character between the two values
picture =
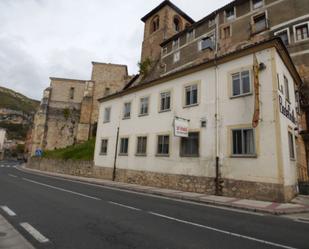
165	101
144	106
124	146
163	145
191	95
104	144
230	13
284	35
291	145
127	110
241	83
176	43
286	89
190	35
141	148
257	4
176	56
243	142
107	115
302	32
189	146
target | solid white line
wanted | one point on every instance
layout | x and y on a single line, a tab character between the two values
125	206
223	231
8	211
12	175
35	233
62	189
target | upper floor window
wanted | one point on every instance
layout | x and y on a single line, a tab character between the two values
230	13
257	4
190	35
144	106
177	24
226	32
155	24
176	56
191	94
301	32
207	43
211	22
241	83
104	143
107	114
165	101
127	110
164	51
72	90
243	142
176	43
259	23
286	88
284	35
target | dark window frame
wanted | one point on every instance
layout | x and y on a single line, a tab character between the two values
104	147
163	145
190	143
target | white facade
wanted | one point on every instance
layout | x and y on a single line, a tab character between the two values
2	138
271	162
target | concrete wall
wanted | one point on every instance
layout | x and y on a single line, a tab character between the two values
2	138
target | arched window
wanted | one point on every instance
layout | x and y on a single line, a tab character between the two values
177	24
155	24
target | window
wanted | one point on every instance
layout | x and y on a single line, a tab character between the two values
72	92
241	83
127	110
164	51
284	35
226	32
176	44
286	89
230	13
190	35
177	24
301	32
176	56
141	146
191	95
189	146
257	4
155	24
104	143
107	115
291	145
165	101
243	142
124	146
211	22
207	43
163	145
144	104
107	91
259	23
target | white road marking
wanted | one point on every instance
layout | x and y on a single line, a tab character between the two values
12	175
125	206
35	233
8	211
223	231
62	189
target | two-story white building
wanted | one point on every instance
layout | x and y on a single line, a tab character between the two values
193	130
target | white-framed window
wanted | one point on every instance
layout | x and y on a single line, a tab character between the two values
230	13
256	4
260	23
301	31
291	145
107	114
189	146
124	146
176	43
207	43
165	101
241	83
284	35
191	95
127	110
190	35
163	145
286	88
176	56
141	148
144	106
243	142
104	144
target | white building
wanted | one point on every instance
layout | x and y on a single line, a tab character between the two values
2	141
218	99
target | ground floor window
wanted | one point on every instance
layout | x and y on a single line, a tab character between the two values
243	142
141	146
291	145
104	143
124	146
163	145
189	146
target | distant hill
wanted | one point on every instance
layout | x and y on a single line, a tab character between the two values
15	101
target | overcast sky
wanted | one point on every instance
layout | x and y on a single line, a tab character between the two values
60	38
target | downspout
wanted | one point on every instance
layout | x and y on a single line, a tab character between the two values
115	157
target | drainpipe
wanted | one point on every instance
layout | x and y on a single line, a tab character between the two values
115	158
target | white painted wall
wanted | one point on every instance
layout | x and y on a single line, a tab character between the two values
2	138
238	111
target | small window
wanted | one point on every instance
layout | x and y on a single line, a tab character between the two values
284	35
141	146
207	43
176	44
127	110
165	101
211	22
286	89
291	145
104	144
241	83
189	146
302	32
107	115
72	90
243	142
230	13
177	24
176	56
226	32
260	23
144	106
190	35
257	4
163	145
124	146
155	24
191	95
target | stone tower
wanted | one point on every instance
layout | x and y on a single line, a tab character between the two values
161	23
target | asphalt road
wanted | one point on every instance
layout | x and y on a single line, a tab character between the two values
73	215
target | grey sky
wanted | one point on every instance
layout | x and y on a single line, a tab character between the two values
60	38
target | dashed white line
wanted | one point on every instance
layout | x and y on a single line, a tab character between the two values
12	175
62	189
125	206
223	231
8	211
35	233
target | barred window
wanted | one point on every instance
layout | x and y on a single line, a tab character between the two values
141	146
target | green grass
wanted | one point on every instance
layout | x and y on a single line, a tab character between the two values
84	152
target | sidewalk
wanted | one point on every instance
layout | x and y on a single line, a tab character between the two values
10	238
250	205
